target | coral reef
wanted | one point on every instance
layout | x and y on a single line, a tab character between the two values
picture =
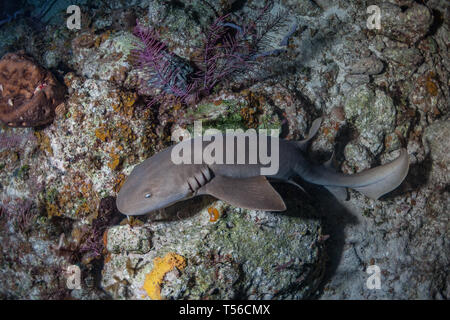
241	254
376	90
406	26
29	94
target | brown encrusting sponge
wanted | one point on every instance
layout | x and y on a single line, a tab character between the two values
29	94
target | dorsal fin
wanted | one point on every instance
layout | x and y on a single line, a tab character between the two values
303	144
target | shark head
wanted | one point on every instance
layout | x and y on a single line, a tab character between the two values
152	185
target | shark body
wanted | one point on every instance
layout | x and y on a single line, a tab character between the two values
157	182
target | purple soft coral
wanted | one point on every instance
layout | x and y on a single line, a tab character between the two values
20	212
224	54
162	68
228	50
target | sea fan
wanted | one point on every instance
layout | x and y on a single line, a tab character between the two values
232	50
229	50
224	54
20	212
162	69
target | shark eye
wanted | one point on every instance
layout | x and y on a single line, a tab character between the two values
148	195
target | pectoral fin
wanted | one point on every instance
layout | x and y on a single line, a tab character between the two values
250	193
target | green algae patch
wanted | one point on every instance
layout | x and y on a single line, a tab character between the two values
233	114
22	172
219	115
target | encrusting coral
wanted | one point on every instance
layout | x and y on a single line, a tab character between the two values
29	94
154	279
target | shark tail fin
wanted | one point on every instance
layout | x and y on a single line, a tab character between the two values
389	177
